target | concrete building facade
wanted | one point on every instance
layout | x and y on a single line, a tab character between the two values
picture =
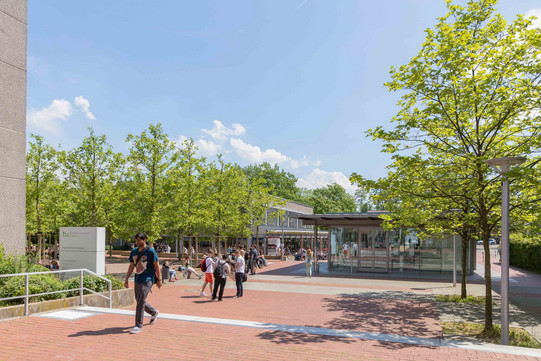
13	35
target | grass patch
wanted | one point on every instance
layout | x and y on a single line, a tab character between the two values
517	336
479	300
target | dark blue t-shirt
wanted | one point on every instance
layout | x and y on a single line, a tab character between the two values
144	269
254	254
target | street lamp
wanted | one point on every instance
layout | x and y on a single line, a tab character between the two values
502	166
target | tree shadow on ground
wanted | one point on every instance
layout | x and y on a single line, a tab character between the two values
389	313
283	337
105	331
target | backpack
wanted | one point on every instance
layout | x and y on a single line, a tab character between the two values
204	265
219	271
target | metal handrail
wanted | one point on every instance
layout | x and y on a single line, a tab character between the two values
81	271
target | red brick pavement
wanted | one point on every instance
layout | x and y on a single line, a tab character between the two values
105	337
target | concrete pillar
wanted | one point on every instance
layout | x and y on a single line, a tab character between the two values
13	124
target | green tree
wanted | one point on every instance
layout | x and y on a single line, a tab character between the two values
88	168
149	162
41	165
471	94
279	182
331	199
186	190
362	198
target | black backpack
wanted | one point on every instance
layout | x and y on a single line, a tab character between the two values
219	271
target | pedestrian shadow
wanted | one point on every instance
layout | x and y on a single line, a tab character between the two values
105	331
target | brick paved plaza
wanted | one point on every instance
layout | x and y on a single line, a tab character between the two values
282	316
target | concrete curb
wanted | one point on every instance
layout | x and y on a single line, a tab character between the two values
121	298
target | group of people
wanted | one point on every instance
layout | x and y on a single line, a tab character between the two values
144	261
218	269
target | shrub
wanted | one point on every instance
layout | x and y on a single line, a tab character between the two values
14	286
93	283
525	252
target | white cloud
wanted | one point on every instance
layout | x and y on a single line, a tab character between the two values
303	162
319	178
47	119
84	105
253	153
537	13
220	132
207	148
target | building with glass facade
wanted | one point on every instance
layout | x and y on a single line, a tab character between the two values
357	242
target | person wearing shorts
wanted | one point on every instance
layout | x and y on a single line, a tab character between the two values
208	273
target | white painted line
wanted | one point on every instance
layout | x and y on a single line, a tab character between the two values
435	342
68	315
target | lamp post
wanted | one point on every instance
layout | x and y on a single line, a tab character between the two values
502	166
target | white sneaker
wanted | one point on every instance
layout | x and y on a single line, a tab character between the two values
136	329
153	318
203	294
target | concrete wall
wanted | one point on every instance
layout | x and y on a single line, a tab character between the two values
13	32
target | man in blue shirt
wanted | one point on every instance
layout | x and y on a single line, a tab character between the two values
145	261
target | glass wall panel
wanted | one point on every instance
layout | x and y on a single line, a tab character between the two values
437	254
342	241
404	250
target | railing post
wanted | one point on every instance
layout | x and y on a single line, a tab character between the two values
81	300
110	294
26	290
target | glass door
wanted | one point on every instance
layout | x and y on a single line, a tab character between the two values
373	251
366	251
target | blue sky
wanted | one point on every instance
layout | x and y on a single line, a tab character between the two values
294	82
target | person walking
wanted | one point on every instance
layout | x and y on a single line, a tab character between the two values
309	263
221	272
209	265
145	262
239	273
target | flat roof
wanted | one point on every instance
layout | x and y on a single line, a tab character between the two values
344	218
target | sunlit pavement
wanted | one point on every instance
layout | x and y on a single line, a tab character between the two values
282	316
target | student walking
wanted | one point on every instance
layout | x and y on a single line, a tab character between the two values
309	263
209	265
145	261
221	271
239	273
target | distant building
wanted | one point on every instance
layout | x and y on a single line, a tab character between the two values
291	231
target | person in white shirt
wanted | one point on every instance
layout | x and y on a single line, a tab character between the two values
239	273
208	273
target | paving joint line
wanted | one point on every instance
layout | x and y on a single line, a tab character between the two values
322	331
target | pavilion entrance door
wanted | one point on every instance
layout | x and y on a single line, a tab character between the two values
373	251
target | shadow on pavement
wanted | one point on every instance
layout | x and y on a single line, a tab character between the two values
283	337
392	313
105	331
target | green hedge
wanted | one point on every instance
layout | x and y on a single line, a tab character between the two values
525	252
93	283
49	282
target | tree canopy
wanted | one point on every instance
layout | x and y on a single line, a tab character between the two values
471	94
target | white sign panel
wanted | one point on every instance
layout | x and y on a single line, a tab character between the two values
82	247
272	246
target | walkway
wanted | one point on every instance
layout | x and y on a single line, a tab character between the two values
283	316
